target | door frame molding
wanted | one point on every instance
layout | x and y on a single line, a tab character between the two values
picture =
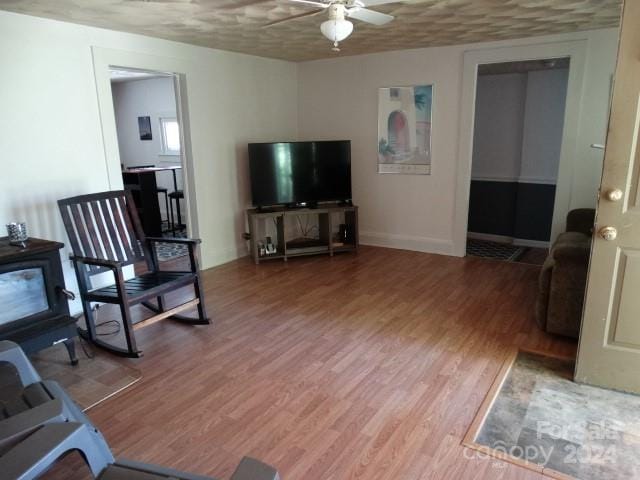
103	60
576	51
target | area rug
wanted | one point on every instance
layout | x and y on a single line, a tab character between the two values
499	251
89	383
540	417
168	251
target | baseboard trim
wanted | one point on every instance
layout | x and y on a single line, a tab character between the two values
407	242
523	242
376	239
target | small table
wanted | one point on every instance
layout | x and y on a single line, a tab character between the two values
173	169
149	215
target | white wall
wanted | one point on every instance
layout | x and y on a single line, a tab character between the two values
337	98
518	127
153	97
51	136
543	125
497	137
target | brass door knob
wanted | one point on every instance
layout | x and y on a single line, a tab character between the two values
608	233
614	195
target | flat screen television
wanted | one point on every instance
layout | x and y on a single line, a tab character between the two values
300	173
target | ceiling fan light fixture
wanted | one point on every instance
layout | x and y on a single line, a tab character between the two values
336	29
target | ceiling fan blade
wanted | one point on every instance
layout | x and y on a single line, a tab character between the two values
370	16
293	17
311	2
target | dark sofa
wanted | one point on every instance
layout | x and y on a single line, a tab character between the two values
563	278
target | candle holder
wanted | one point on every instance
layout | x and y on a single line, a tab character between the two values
17	232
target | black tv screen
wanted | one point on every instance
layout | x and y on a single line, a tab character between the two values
288	173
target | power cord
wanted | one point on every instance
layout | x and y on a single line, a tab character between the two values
86	347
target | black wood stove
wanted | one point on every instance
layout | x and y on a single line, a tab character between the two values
33	300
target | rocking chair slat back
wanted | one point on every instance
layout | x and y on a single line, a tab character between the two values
134	231
113	238
91	231
105	226
121	232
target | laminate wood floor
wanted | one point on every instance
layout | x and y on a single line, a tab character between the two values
367	366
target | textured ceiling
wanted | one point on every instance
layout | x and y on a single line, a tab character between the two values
238	25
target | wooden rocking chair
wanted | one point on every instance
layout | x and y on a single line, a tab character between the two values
105	235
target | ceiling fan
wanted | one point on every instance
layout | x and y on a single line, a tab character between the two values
337	27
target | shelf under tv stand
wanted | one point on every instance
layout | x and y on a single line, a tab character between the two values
286	237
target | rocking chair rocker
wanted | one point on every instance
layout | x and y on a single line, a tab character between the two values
106	235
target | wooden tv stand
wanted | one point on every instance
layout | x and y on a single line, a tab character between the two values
283	226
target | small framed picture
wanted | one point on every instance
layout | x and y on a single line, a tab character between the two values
144	126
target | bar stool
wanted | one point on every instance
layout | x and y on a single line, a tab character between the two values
177	196
165	192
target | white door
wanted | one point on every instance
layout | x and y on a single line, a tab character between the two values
609	352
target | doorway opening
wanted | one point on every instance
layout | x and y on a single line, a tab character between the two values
517	140
150	143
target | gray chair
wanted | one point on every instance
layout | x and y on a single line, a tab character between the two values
38	452
40	423
27	402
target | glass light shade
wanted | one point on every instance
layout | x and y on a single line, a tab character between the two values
336	30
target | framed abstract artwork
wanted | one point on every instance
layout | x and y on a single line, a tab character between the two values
404	129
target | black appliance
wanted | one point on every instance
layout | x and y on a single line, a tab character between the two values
34	311
300	173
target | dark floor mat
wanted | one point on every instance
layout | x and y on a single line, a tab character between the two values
499	251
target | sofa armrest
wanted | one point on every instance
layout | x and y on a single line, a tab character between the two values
572	253
12	353
581	220
544	286
570	257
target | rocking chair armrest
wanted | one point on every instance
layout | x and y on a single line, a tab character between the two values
112	264
188	241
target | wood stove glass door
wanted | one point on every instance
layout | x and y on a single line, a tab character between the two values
22	294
